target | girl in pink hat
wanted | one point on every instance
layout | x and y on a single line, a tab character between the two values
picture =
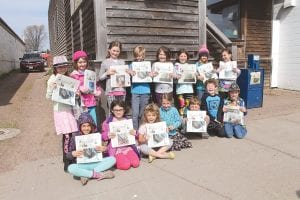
80	63
64	120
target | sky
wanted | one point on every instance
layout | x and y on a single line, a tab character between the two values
18	14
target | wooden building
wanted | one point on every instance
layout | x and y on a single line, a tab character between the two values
92	24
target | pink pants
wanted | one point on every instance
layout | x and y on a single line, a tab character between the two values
124	162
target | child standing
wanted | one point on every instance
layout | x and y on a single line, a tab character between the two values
88	99
234	129
112	59
212	103
140	91
184	91
93	170
224	84
170	115
151	115
126	156
64	120
194	106
202	59
163	55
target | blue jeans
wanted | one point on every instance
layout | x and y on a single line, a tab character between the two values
138	104
92	112
199	94
236	130
86	169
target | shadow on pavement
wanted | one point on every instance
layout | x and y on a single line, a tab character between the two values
9	85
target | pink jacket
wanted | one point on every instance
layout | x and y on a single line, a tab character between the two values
88	100
105	130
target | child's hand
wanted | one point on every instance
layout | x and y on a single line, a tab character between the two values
171	128
243	109
200	77
97	93
130	72
53	85
83	90
132	132
153	74
77	154
101	148
225	109
143	138
110	71
111	135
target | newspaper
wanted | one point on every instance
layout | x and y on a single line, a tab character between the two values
195	121
88	144
234	115
226	72
164	72
142	70
157	133
207	70
121	78
65	90
90	80
122	130
188	73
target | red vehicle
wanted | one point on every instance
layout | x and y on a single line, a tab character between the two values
32	61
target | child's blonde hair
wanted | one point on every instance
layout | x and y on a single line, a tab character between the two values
114	44
213	81
151	108
139	51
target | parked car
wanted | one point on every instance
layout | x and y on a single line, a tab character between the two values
32	61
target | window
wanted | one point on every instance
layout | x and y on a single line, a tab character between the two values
225	14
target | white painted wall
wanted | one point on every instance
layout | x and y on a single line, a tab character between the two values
286	50
11	49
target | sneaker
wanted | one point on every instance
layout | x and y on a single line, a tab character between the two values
151	158
171	155
84	180
205	135
108	174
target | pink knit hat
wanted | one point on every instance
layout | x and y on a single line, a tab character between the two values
79	54
203	51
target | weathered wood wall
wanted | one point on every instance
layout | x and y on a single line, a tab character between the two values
152	23
259	33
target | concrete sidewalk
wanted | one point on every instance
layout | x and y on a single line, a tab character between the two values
264	165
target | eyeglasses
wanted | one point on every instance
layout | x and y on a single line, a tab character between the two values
118	110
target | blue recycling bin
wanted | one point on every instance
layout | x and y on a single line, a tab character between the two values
251	82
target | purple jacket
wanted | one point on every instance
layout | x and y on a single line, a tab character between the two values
105	130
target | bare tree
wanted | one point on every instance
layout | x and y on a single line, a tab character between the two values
34	37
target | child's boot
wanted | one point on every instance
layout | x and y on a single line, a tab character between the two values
205	135
84	180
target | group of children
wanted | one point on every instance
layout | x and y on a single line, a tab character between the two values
144	111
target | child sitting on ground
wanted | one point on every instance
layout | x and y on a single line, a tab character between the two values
170	115
194	106
151	115
212	103
235	128
94	170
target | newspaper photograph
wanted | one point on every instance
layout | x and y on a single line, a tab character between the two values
142	70
121	78
234	115
65	90
164	72
226	72
157	134
122	130
195	121
207	70
188	73
90	80
88	144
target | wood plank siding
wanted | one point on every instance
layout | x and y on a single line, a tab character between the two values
259	33
173	23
